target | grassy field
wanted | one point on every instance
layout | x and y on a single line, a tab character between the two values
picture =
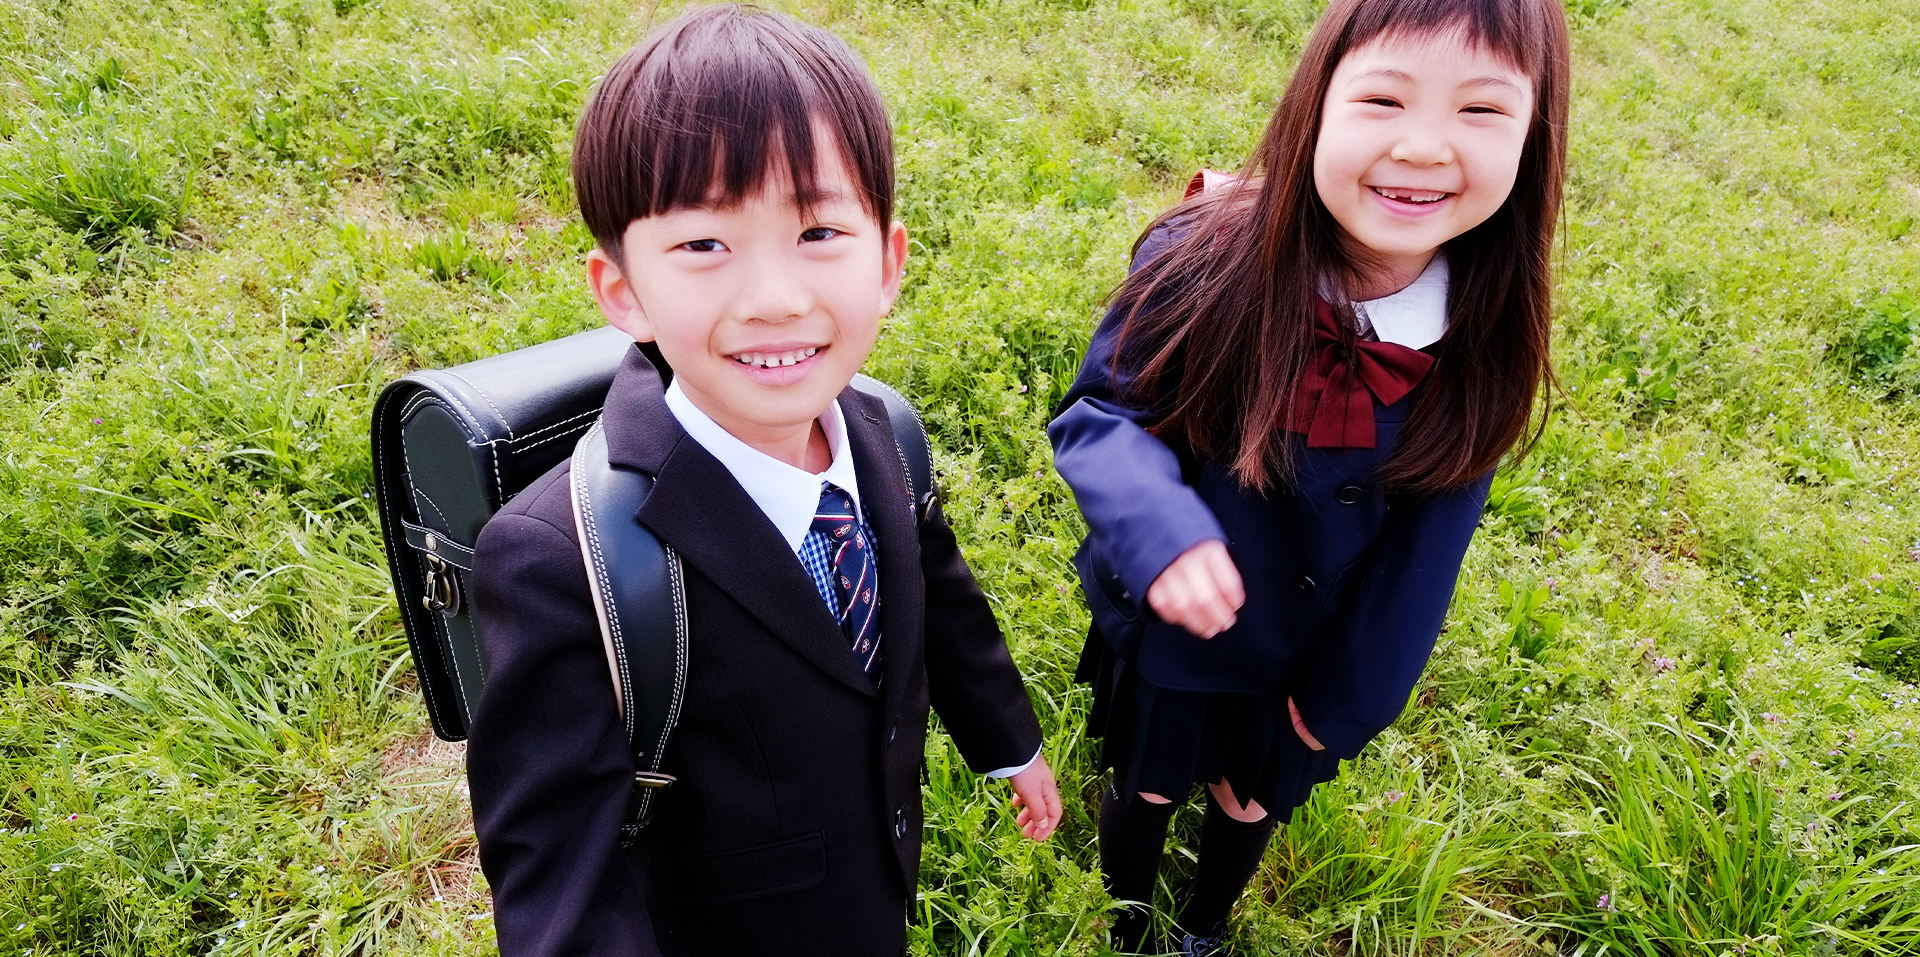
1673	709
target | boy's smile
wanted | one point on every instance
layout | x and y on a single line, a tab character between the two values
764	311
1420	141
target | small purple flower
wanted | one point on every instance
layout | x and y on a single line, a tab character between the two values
1553	584
1663	664
33	347
1874	577
1835	796
1393	797
1605	903
73	817
99	421
1769	717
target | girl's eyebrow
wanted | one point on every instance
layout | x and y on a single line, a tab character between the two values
1401	76
1480	81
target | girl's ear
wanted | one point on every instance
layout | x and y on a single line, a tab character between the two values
893	264
616	297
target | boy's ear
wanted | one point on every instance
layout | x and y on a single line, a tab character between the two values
893	265
617	298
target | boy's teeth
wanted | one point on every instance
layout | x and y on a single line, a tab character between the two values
771	360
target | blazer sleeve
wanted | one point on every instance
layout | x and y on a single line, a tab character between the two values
971	678
548	760
1358	680
1141	514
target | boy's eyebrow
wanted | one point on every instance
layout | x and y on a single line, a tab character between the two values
816	197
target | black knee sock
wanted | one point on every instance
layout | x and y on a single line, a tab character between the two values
1230	851
1132	834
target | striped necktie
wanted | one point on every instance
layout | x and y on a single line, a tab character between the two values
850	562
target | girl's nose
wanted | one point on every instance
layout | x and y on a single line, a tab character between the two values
1422	148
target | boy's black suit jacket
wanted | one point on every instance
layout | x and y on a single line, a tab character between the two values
795	824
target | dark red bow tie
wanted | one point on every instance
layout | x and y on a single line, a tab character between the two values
1333	407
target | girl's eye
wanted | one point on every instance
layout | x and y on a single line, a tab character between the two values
1483	109
703	246
818	234
1380	101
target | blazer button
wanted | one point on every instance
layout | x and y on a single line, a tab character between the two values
900	824
892	733
1305	583
1349	495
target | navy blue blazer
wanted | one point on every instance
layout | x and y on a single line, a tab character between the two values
795	825
1347	584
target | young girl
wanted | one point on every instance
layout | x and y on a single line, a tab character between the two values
1284	430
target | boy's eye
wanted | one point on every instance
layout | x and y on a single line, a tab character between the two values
818	234
703	246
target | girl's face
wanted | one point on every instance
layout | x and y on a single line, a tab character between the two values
1420	139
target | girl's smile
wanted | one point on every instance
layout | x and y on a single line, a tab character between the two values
1420	140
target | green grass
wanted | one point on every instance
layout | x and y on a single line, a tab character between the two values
1673	709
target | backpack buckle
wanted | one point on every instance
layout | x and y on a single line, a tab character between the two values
652	779
442	588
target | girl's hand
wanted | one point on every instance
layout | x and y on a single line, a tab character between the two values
1200	591
1300	728
1038	799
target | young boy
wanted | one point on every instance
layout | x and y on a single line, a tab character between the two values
737	172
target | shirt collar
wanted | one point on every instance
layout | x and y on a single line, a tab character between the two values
787	495
1415	317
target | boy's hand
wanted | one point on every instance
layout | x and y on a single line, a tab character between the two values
1200	591
1038	799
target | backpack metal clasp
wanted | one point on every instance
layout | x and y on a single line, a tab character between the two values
442	588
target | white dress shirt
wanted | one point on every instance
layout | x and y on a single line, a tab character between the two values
787	495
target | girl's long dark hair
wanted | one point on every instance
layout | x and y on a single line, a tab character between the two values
1227	336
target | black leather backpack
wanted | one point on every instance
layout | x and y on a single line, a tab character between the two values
451	446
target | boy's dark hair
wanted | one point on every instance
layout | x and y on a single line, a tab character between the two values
698	113
1226	341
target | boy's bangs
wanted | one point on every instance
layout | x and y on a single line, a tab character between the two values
719	105
723	149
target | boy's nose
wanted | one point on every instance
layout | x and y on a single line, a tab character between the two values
776	291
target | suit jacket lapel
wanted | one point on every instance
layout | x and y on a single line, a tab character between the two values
698	508
889	507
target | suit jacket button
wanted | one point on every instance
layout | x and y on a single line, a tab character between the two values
892	733
900	824
1349	495
1305	583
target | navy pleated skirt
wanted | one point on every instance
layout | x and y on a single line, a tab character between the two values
1163	741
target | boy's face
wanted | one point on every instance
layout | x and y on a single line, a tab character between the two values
764	313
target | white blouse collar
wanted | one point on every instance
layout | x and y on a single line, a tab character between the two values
1415	317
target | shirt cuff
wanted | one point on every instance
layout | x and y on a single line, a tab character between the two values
1010	772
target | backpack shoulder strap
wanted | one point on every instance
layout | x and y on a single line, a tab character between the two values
642	613
910	434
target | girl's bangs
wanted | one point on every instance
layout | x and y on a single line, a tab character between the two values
1515	31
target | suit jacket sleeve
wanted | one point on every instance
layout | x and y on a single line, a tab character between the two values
1141	514
971	678
548	760
1359	679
